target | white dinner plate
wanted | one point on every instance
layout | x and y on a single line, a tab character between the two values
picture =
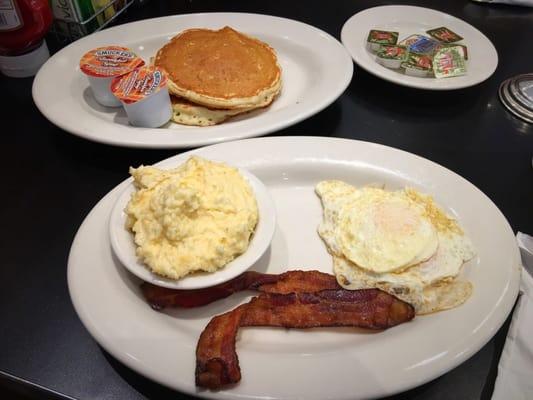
124	246
316	70
408	20
332	363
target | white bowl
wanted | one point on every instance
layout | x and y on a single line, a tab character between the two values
124	247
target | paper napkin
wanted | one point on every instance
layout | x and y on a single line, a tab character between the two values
515	371
525	3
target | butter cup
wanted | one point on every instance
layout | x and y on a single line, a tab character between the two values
102	65
144	94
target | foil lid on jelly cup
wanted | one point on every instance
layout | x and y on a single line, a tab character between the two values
109	61
139	84
449	62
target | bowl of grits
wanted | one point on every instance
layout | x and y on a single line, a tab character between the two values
199	224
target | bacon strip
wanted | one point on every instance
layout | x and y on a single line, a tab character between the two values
216	360
291	281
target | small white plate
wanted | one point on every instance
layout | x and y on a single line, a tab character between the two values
408	20
316	70
124	246
311	364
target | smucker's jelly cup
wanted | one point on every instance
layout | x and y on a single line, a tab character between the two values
376	38
391	56
420	44
444	35
144	94
449	62
102	65
420	65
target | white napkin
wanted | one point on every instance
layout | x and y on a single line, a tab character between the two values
515	371
525	3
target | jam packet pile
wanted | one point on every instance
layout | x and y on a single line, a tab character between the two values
437	55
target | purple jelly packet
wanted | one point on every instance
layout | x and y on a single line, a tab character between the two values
420	44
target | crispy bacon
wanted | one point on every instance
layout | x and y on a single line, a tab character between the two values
216	360
291	281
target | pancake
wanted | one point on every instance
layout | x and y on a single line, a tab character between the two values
221	68
188	113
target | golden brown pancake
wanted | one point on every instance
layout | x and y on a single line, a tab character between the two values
188	113
221	68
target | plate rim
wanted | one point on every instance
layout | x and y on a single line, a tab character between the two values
416	84
245	132
460	357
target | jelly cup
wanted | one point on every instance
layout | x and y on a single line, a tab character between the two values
391	56
419	65
377	38
144	94
104	64
449	62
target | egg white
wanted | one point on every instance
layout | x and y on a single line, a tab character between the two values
378	230
429	281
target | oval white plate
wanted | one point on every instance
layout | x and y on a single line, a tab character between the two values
336	363
124	246
407	20
316	70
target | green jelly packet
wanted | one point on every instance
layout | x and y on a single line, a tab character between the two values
449	62
464	49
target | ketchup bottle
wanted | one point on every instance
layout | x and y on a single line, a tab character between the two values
23	26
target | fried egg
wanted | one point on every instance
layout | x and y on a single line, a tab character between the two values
398	241
378	230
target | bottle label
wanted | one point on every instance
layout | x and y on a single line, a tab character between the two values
9	16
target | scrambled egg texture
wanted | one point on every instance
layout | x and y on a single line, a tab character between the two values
196	217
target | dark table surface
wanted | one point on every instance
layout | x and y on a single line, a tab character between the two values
52	179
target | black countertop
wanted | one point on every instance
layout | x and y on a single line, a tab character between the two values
52	179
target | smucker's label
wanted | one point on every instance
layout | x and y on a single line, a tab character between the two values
419	61
109	61
382	37
449	62
445	35
139	84
392	52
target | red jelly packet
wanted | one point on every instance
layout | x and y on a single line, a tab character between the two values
420	61
108	61
139	84
392	52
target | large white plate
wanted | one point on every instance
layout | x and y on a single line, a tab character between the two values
339	363
407	20
316	70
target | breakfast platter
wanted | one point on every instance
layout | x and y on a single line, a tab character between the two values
315	70
335	363
407	22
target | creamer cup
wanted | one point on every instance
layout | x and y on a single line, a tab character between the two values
102	65
144	94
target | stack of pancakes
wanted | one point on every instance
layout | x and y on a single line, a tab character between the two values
216	74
